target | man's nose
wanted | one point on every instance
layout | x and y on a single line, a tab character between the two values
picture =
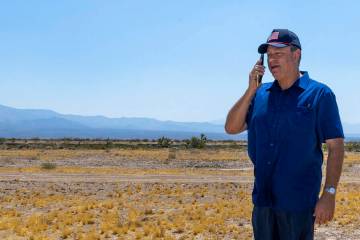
270	60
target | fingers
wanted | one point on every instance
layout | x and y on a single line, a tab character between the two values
322	217
324	209
254	76
258	68
257	71
258	62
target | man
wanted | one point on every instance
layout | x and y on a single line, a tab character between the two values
287	122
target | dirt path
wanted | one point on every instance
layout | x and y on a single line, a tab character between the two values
168	178
163	178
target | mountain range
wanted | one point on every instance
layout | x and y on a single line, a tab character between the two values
29	123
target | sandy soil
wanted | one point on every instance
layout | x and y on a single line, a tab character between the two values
99	185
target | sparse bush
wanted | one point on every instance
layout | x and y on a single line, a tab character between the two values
109	144
196	142
48	165
164	142
352	147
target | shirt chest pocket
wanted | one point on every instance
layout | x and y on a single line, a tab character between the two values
301	119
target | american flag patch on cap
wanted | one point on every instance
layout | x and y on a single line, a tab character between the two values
273	36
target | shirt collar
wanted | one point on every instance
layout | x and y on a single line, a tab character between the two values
301	82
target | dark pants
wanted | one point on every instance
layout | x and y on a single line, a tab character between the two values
277	225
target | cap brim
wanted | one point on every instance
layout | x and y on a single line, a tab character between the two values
263	47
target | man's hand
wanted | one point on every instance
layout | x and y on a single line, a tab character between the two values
257	71
325	208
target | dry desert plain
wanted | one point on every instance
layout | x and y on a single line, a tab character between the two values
81	189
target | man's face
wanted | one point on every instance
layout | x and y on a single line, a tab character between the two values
282	62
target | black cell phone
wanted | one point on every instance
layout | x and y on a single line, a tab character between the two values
262	63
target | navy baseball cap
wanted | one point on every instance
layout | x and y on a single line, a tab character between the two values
280	38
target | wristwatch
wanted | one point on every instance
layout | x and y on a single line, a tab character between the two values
330	190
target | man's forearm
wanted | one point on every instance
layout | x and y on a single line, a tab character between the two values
325	207
334	165
235	120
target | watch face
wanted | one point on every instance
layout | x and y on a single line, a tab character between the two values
331	190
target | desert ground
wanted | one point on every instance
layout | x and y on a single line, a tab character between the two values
77	189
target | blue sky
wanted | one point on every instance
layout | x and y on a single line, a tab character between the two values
169	60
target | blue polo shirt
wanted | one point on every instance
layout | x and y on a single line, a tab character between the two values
285	131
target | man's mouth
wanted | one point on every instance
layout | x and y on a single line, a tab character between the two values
274	67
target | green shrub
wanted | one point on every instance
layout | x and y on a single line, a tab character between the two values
196	142
164	142
109	144
352	147
48	165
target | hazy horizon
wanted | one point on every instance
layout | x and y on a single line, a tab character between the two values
219	121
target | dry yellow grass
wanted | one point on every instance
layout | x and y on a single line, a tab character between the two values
140	154
128	154
132	211
143	211
348	206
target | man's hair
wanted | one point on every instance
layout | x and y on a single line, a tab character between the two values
293	49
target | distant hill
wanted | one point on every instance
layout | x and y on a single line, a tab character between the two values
28	123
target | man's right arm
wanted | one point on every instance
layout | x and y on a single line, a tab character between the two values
236	118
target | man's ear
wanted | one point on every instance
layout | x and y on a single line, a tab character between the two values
297	54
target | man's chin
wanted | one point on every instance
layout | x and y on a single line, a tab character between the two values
275	74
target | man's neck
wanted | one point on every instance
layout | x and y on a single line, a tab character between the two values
289	81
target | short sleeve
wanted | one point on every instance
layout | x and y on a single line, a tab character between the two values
328	120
